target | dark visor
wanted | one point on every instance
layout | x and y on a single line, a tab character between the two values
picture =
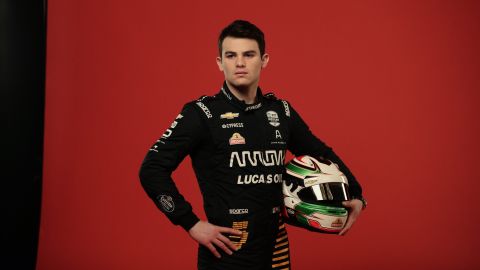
333	192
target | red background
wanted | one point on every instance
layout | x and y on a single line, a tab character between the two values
391	85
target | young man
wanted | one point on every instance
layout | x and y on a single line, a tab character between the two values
237	140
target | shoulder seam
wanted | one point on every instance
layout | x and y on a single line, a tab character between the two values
270	95
204	98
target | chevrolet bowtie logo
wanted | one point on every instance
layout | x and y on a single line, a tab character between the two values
228	115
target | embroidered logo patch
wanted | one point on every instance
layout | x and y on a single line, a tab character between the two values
236	139
273	118
166	203
233	125
338	223
228	115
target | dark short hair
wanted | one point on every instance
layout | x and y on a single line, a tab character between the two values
242	29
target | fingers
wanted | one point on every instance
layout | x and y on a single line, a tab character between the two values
350	220
354	205
213	250
354	210
223	242
228	242
229	231
212	238
221	245
347	227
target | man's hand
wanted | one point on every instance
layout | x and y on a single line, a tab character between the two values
354	209
208	234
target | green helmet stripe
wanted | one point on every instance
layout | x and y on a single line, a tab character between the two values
309	209
299	170
303	220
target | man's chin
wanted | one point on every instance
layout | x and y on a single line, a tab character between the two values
241	84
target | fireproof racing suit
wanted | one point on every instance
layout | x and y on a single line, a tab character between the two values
238	153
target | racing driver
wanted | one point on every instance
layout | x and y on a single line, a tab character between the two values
237	140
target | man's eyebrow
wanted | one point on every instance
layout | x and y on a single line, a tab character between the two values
245	52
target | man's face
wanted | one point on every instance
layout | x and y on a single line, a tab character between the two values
241	62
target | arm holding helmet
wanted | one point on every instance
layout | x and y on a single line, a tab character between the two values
303	142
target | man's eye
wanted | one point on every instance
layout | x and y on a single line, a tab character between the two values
229	56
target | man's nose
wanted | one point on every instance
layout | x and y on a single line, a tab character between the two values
240	62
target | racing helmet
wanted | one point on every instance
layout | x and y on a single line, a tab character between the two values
314	190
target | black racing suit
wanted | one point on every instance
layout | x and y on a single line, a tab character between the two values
237	152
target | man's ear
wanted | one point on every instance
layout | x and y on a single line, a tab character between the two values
265	59
219	63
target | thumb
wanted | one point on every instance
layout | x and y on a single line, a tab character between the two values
347	204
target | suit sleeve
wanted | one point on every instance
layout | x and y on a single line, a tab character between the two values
180	139
303	142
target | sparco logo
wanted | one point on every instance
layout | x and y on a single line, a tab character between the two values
253	158
287	108
167	203
238	211
253	107
205	109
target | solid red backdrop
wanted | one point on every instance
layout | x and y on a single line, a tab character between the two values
393	86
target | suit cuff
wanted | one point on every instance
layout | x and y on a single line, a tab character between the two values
188	220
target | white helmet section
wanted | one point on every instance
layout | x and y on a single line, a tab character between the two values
320	172
290	198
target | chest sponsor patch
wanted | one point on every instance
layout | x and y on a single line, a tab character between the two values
249	179
228	115
278	138
233	125
236	139
265	158
273	119
278	135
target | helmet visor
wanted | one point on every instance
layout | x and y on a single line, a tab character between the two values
333	192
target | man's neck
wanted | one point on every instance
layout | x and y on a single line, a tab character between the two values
247	94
